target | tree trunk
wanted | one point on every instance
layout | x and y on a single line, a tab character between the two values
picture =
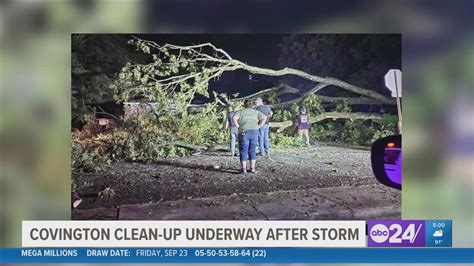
327	81
329	115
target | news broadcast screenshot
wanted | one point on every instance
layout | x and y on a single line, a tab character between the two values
252	133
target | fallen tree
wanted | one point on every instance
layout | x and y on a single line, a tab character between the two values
189	68
172	79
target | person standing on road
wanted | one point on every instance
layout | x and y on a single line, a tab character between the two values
234	131
302	123
248	121
263	134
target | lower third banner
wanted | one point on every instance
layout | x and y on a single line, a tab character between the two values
236	255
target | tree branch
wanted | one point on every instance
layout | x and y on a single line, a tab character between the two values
320	80
329	115
328	99
102	112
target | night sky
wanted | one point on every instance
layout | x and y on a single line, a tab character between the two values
255	49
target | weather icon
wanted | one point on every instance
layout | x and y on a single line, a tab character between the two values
438	233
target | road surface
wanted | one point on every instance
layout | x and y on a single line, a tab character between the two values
318	182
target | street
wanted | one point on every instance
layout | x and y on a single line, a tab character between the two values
319	182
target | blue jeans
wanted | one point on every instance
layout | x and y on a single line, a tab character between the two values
263	139
248	145
233	140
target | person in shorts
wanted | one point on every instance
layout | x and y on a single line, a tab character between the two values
302	123
248	121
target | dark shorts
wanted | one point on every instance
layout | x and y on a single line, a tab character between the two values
303	126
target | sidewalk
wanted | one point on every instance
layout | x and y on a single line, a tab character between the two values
338	203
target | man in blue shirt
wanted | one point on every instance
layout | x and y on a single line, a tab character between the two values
234	131
263	134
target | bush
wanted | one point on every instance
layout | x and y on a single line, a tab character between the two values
146	138
357	132
87	154
280	140
97	153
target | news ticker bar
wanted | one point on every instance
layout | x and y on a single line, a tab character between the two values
173	234
237	255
